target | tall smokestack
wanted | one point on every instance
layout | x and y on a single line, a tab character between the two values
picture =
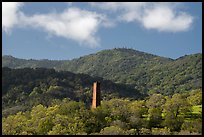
96	100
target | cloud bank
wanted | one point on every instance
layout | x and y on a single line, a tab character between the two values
10	15
158	16
73	23
82	25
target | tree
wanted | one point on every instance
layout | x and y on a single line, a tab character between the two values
58	129
194	126
155	101
161	131
155	117
186	132
195	97
117	108
119	124
14	124
112	130
145	131
174	111
137	109
39	123
99	118
155	104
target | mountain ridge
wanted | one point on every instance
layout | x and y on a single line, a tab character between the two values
146	72
11	56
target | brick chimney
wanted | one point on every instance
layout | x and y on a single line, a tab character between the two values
96	100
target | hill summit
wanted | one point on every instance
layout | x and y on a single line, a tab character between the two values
146	72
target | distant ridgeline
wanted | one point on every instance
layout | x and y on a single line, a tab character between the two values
145	72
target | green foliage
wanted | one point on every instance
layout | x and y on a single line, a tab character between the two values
14	124
176	105
112	130
195	97
186	132
194	126
29	87
113	117
161	131
42	101
174	109
155	104
145	131
197	109
146	72
155	117
155	101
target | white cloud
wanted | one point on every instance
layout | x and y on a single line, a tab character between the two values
165	19
82	25
115	6
10	15
73	23
159	16
69	3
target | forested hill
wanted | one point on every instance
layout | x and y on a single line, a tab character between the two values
146	72
12	62
27	87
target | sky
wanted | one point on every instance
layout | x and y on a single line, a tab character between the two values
68	30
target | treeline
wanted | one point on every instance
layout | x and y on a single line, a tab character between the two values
24	88
180	114
147	73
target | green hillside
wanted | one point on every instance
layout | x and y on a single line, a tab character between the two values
45	97
145	72
46	102
24	88
12	62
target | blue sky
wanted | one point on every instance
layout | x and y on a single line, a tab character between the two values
65	30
